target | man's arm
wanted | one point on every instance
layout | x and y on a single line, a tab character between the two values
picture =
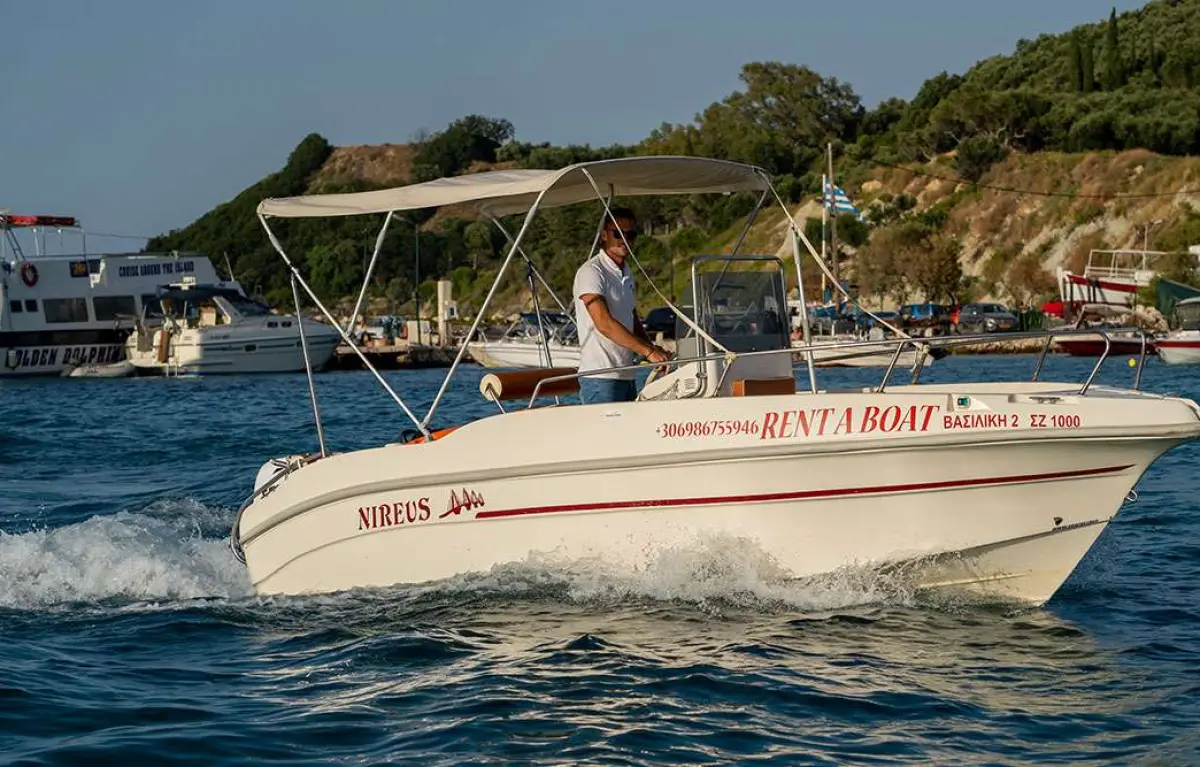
614	331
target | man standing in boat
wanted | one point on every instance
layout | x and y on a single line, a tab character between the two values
610	331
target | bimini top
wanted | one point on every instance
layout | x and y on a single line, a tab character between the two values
507	192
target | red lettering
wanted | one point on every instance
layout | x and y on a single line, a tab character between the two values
929	411
846	420
892	413
364	518
784	420
423	504
825	411
770	423
947	422
805	418
385	510
870	421
910	419
410	512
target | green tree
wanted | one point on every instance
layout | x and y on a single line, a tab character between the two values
976	155
1076	63
1088	65
1114	74
780	121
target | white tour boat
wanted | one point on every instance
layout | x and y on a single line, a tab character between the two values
526	343
997	487
59	313
199	329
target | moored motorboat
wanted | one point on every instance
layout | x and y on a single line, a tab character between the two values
999	488
1181	346
1130	345
526	343
208	329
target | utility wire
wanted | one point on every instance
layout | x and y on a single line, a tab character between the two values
117	236
1015	190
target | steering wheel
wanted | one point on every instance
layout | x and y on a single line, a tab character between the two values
655	372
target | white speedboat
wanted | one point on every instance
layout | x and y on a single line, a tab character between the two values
994	487
206	329
833	352
525	344
1181	346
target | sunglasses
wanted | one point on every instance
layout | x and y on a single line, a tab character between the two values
630	234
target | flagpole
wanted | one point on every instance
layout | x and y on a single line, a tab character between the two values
833	229
824	216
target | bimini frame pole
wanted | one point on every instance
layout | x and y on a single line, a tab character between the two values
808	355
362	294
312	386
797	238
741	240
462	349
345	336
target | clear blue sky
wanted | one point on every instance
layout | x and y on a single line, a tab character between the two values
138	116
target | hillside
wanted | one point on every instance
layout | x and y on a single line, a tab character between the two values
978	187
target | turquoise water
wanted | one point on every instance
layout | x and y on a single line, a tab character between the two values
131	634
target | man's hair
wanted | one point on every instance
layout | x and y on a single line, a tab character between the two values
619	214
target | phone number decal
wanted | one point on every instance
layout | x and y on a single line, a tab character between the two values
708	428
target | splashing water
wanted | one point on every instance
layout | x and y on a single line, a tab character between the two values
158	553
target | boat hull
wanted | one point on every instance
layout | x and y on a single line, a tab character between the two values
1009	514
866	356
197	354
1094	347
503	354
1179	351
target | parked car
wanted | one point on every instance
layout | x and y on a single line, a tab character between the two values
926	316
985	318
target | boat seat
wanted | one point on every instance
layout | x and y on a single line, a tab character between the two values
751	387
519	384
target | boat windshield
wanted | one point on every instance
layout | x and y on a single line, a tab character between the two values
556	325
1187	316
741	302
245	306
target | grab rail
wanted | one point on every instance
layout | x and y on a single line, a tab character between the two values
235	545
901	344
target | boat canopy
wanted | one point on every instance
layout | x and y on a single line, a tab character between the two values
507	192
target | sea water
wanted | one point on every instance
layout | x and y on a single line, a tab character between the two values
131	635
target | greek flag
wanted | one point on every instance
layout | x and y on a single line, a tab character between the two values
836	200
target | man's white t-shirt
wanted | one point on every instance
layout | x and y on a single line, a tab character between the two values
600	274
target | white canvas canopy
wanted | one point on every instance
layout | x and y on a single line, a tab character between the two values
507	192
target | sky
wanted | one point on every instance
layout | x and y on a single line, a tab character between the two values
138	116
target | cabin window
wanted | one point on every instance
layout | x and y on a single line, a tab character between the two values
31	305
14	307
113	307
65	309
152	306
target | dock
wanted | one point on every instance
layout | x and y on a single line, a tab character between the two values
400	356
